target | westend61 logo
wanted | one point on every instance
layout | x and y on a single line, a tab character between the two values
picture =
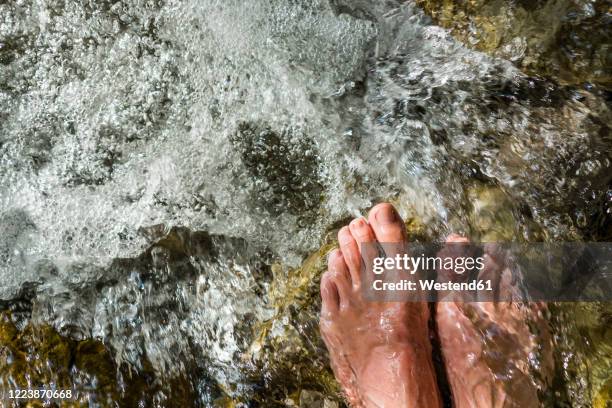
505	272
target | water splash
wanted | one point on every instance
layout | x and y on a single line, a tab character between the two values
128	126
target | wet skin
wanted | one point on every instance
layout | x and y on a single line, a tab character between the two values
380	351
487	345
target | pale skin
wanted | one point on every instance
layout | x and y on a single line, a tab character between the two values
381	353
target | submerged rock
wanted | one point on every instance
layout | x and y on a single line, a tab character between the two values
287	348
310	399
583	340
233	330
568	40
283	168
259	347
37	357
492	216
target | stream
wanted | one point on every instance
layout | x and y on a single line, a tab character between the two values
172	174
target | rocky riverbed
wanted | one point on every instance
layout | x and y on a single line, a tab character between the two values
172	174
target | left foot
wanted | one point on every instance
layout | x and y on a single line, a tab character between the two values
380	351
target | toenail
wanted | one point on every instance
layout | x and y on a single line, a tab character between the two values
359	224
386	215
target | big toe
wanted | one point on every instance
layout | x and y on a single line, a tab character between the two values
387	224
389	229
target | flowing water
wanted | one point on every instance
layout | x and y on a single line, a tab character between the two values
165	166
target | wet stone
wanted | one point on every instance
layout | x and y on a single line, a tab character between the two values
566	40
285	166
312	399
36	356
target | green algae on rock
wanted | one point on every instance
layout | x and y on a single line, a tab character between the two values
584	346
493	216
568	40
37	357
288	348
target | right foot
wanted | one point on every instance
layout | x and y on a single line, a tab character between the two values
380	351
488	346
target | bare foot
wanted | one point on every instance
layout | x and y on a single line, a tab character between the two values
380	352
491	349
